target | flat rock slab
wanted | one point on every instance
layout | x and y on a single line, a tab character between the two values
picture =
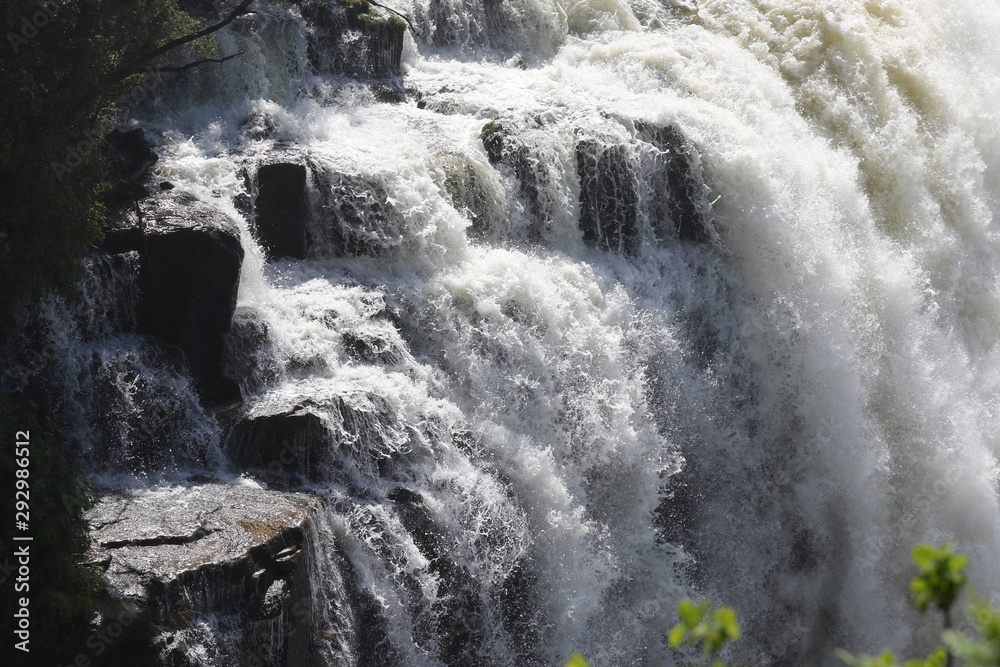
201	563
158	534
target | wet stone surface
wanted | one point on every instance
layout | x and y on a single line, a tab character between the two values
194	562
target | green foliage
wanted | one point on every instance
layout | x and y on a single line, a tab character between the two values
884	659
705	625
940	577
939	582
59	80
981	651
937	658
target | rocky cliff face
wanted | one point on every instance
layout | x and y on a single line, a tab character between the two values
205	572
187	566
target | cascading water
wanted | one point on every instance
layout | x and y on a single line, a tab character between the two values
625	302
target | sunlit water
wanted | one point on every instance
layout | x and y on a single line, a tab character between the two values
769	418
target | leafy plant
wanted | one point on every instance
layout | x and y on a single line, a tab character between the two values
705	625
940	577
939	582
58	589
937	658
981	651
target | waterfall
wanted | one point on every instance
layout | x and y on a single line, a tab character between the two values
601	304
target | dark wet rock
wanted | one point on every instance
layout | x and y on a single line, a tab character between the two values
348	438
281	443
679	197
609	197
138	404
371	348
460	618
520	610
353	218
132	156
507	150
496	138
249	358
191	566
259	125
280	209
190	259
467	192
353	38
108	294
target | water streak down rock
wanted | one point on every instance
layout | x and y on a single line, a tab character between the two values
354	38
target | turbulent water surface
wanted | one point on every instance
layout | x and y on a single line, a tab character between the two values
764	394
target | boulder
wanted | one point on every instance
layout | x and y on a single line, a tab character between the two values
372	348
354	218
469	193
349	438
280	209
507	150
248	357
679	198
609	197
190	259
353	38
218	572
132	156
280	444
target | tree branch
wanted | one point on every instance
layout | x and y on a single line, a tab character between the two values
399	14
181	68
137	66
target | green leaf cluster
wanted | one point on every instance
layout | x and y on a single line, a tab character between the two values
701	623
983	649
939	582
940	577
937	658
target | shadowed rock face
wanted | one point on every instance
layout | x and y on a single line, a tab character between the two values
314	440
249	358
280	443
609	197
132	156
188	562
356	218
353	38
280	209
680	186
189	274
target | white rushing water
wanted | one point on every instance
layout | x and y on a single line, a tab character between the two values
771	417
